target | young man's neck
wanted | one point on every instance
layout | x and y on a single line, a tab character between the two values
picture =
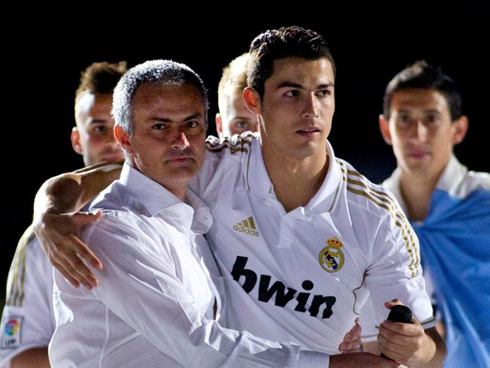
296	181
416	190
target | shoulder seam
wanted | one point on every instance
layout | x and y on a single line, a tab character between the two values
240	144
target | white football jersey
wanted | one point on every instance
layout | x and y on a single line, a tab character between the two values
27	319
302	276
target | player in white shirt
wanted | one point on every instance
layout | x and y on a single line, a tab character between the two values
353	236
28	319
299	235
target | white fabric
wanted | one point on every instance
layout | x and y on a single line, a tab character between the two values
27	318
154	303
276	255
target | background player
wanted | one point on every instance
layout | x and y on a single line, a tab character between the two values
448	205
234	117
28	320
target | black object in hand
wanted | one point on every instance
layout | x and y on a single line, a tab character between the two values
399	313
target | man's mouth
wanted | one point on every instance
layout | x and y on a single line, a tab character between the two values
417	154
308	132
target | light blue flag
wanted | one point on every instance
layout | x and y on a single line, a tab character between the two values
455	245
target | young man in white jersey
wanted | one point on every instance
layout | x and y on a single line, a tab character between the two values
28	320
301	238
448	205
234	117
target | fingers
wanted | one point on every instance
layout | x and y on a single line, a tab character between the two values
81	219
70	258
65	274
79	273
394	302
400	341
80	250
352	340
67	253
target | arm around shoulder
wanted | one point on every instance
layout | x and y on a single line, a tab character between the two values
58	227
71	191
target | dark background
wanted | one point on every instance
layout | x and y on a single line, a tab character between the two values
44	51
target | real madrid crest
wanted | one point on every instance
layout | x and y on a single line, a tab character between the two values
331	257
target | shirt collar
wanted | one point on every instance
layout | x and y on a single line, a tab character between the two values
159	200
450	180
452	176
259	183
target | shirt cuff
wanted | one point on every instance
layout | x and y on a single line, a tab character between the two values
314	359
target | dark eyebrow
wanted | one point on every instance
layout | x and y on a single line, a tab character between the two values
287	84
239	117
432	111
99	121
167	120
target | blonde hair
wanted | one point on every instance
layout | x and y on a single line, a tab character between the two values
233	80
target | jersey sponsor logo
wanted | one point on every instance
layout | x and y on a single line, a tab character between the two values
11	328
280	295
246	226
331	257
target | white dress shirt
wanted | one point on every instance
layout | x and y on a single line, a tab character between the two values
154	306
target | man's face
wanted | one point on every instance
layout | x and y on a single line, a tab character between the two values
297	107
168	142
93	137
421	131
235	118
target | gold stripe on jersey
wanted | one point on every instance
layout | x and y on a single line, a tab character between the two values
15	287
241	144
356	183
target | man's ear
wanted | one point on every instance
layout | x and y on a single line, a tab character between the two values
252	100
384	127
123	138
219	124
460	127
75	141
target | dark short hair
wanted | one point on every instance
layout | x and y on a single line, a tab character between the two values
101	77
284	42
422	75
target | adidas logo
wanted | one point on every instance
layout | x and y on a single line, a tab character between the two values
247	226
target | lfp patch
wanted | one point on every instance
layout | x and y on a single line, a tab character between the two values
11	327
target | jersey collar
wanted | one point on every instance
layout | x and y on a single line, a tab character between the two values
259	183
